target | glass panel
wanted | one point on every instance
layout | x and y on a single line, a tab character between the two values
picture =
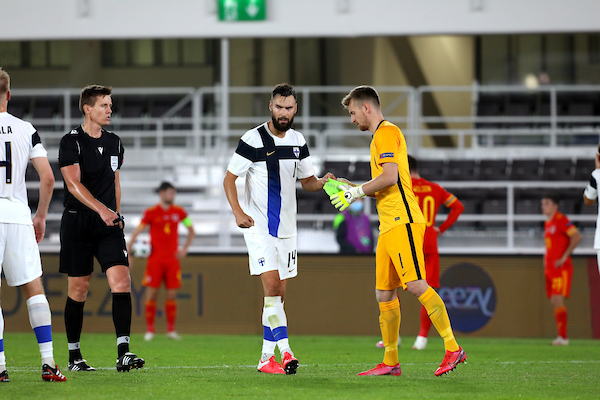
142	52
38	54
10	54
118	53
194	51
60	53
494	59
169	51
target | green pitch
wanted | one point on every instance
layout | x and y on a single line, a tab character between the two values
216	367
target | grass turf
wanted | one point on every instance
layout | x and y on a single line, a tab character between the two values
212	366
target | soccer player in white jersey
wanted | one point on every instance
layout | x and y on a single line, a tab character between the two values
272	157
589	198
19	234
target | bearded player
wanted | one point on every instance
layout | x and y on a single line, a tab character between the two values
272	157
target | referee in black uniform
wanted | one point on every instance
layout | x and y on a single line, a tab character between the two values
90	158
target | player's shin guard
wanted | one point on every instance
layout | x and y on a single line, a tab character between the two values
277	322
269	342
425	323
73	325
389	323
560	313
121	310
41	322
436	309
150	315
171	314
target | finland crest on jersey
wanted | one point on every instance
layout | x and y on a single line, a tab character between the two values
19	142
271	166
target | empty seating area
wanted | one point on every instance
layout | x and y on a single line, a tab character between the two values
480	170
491	198
40	109
574	111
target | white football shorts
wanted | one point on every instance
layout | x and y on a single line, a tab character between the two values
19	254
268	253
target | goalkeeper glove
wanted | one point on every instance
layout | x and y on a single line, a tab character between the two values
349	194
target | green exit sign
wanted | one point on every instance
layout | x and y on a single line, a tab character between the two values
242	10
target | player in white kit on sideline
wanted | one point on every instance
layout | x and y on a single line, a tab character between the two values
590	195
272	157
19	234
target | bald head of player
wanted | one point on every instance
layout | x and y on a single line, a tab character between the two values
4	89
365	110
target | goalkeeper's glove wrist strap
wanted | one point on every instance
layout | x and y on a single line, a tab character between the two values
360	192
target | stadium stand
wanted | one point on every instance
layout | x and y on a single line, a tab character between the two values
507	176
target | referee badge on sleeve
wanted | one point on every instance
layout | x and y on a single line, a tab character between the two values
114	162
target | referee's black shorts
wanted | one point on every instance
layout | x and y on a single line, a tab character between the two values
83	236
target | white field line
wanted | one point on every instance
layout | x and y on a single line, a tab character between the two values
224	366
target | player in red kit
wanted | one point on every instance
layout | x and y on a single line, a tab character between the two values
163	262
561	238
430	197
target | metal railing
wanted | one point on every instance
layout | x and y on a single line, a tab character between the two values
193	149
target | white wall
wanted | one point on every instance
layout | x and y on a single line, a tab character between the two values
70	19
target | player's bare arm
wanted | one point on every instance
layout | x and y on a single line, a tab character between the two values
138	229
181	253
241	218
573	242
314	184
388	177
72	177
42	166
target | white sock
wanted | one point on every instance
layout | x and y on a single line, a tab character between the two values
2	357
278	322
269	343
41	322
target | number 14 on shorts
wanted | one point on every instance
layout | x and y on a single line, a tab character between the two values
291	261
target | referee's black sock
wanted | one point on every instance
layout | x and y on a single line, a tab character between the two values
121	310
73	325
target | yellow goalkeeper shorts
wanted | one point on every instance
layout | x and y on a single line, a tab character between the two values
399	258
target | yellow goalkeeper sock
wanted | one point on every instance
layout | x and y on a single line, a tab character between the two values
389	323
436	309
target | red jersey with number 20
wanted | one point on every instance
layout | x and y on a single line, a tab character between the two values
163	228
430	197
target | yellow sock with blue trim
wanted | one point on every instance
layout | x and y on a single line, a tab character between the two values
389	323
436	309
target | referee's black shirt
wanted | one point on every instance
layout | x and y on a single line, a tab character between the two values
98	159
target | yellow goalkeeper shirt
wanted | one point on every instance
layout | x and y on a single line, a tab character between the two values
396	205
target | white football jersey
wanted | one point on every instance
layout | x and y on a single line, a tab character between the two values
19	142
271	166
591	192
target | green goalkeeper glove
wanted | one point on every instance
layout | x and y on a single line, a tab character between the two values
332	185
346	196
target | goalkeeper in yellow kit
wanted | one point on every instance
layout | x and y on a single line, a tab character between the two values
399	255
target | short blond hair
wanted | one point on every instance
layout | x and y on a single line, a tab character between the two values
4	83
361	95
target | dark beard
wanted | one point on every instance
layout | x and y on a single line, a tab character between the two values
281	127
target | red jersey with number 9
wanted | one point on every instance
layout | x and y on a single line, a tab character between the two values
163	228
430	197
